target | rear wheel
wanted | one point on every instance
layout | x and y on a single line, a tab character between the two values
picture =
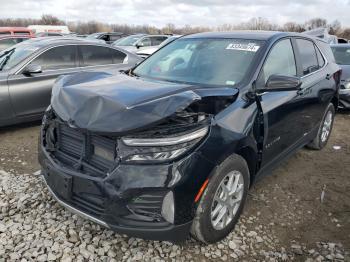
222	202
324	130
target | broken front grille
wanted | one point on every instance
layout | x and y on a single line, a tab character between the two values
85	152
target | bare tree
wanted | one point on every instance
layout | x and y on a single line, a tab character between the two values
50	20
293	27
335	27
257	23
315	23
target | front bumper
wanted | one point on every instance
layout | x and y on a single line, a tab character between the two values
174	233
112	201
344	98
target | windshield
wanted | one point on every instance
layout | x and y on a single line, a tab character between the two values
127	41
201	61
14	55
341	55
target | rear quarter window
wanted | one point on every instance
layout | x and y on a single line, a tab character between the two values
326	50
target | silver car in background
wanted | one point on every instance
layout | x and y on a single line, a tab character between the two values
342	58
29	69
133	43
146	52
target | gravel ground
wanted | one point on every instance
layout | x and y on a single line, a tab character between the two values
284	218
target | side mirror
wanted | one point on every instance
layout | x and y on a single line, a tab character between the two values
282	83
138	45
32	69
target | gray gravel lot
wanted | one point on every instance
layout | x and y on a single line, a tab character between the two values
284	218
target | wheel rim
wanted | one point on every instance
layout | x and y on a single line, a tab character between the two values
227	200
326	128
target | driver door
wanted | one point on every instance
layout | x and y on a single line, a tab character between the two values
31	94
281	109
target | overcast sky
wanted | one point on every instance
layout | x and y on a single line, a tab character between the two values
179	12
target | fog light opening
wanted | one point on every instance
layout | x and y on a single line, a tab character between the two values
168	208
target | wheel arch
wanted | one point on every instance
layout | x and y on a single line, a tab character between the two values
251	158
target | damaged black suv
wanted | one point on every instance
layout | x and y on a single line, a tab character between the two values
172	146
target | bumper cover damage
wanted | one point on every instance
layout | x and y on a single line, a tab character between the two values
86	165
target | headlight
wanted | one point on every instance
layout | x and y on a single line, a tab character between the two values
164	148
347	84
168	141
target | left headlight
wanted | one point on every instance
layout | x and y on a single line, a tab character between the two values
164	148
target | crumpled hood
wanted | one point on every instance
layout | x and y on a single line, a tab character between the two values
104	102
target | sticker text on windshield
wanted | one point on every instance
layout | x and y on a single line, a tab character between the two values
252	47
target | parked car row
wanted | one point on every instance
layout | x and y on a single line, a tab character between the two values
29	69
133	43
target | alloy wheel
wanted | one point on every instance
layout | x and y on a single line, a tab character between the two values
327	125
227	200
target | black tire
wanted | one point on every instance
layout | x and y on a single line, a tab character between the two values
318	143
202	228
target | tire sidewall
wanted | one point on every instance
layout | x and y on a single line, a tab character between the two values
323	144
208	232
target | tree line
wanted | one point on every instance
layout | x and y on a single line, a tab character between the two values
335	27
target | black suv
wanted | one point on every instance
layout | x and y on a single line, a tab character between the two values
172	146
108	37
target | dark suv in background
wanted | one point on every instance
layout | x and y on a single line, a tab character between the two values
108	37
172	146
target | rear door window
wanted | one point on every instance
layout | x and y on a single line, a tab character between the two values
114	37
308	56
60	57
157	40
146	41
95	55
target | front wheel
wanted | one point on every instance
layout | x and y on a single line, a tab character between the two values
324	130
222	201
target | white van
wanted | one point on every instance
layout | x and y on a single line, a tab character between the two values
53	29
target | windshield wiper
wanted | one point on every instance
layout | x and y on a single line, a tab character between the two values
7	55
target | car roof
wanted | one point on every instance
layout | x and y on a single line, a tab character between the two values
246	34
340	45
47	41
104	33
15	36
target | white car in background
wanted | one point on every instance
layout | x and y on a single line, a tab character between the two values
134	43
146	52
